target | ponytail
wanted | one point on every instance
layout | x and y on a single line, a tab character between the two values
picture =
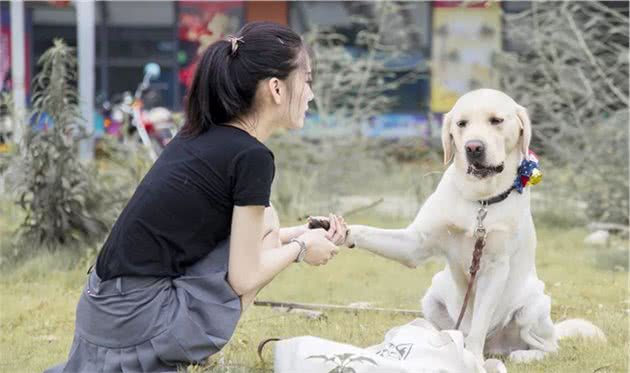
226	78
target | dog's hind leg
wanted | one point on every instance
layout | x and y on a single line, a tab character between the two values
536	330
504	340
508	342
434	310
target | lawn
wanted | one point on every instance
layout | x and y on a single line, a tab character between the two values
39	298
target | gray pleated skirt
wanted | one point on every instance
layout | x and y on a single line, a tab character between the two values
154	324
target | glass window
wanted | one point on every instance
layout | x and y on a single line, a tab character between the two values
515	6
140	45
138	34
303	15
140	13
338	15
413	21
48	23
160	92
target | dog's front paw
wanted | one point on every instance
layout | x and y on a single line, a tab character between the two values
494	366
526	356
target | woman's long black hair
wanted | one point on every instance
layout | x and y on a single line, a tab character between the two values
225	82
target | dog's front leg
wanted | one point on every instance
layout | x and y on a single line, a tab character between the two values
407	246
488	292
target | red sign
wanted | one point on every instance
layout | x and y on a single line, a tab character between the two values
5	53
201	24
59	3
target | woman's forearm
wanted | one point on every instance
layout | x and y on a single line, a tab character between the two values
274	259
288	233
271	262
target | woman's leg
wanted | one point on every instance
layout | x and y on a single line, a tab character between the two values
271	240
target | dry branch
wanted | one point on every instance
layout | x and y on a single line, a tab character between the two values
334	307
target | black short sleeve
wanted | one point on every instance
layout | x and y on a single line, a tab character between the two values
183	207
252	174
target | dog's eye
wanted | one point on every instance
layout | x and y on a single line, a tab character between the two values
495	120
462	123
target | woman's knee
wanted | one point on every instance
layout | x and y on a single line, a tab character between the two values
247	299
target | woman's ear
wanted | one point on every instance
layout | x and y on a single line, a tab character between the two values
276	89
447	141
526	130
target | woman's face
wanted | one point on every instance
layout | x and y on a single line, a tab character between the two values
301	94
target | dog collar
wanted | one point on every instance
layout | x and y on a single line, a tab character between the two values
527	174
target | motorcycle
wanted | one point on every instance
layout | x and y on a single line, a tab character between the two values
128	119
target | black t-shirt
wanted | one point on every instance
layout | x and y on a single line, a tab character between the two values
183	206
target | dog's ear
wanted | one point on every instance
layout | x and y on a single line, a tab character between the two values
526	130
447	140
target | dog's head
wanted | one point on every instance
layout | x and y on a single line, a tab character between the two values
482	129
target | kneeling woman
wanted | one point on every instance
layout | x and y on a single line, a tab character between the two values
199	239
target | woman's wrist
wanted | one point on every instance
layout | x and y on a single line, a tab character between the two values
286	234
299	257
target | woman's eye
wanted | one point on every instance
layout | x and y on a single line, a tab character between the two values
462	123
496	121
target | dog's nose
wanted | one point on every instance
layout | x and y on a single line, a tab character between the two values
474	149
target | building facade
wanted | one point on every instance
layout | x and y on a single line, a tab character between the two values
129	34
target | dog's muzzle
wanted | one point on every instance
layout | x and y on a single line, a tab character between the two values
482	171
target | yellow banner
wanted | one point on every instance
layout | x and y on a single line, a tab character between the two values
465	41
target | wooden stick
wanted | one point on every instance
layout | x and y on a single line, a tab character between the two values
323	307
361	208
353	211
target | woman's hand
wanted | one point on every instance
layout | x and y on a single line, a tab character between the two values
319	249
337	230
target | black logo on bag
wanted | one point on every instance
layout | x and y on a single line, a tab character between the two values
395	352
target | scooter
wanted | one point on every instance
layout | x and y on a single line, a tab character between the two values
128	120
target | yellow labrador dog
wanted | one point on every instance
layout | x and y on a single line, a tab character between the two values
487	136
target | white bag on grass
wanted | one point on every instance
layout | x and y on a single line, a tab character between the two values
412	348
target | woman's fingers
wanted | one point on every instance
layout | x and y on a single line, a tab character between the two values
337	230
345	229
340	233
332	229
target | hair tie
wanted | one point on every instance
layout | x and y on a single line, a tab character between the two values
234	41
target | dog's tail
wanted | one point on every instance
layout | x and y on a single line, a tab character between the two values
578	328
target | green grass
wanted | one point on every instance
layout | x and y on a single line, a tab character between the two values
39	299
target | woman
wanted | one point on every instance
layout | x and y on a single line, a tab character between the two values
199	238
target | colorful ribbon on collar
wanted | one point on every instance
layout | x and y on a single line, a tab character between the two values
528	173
